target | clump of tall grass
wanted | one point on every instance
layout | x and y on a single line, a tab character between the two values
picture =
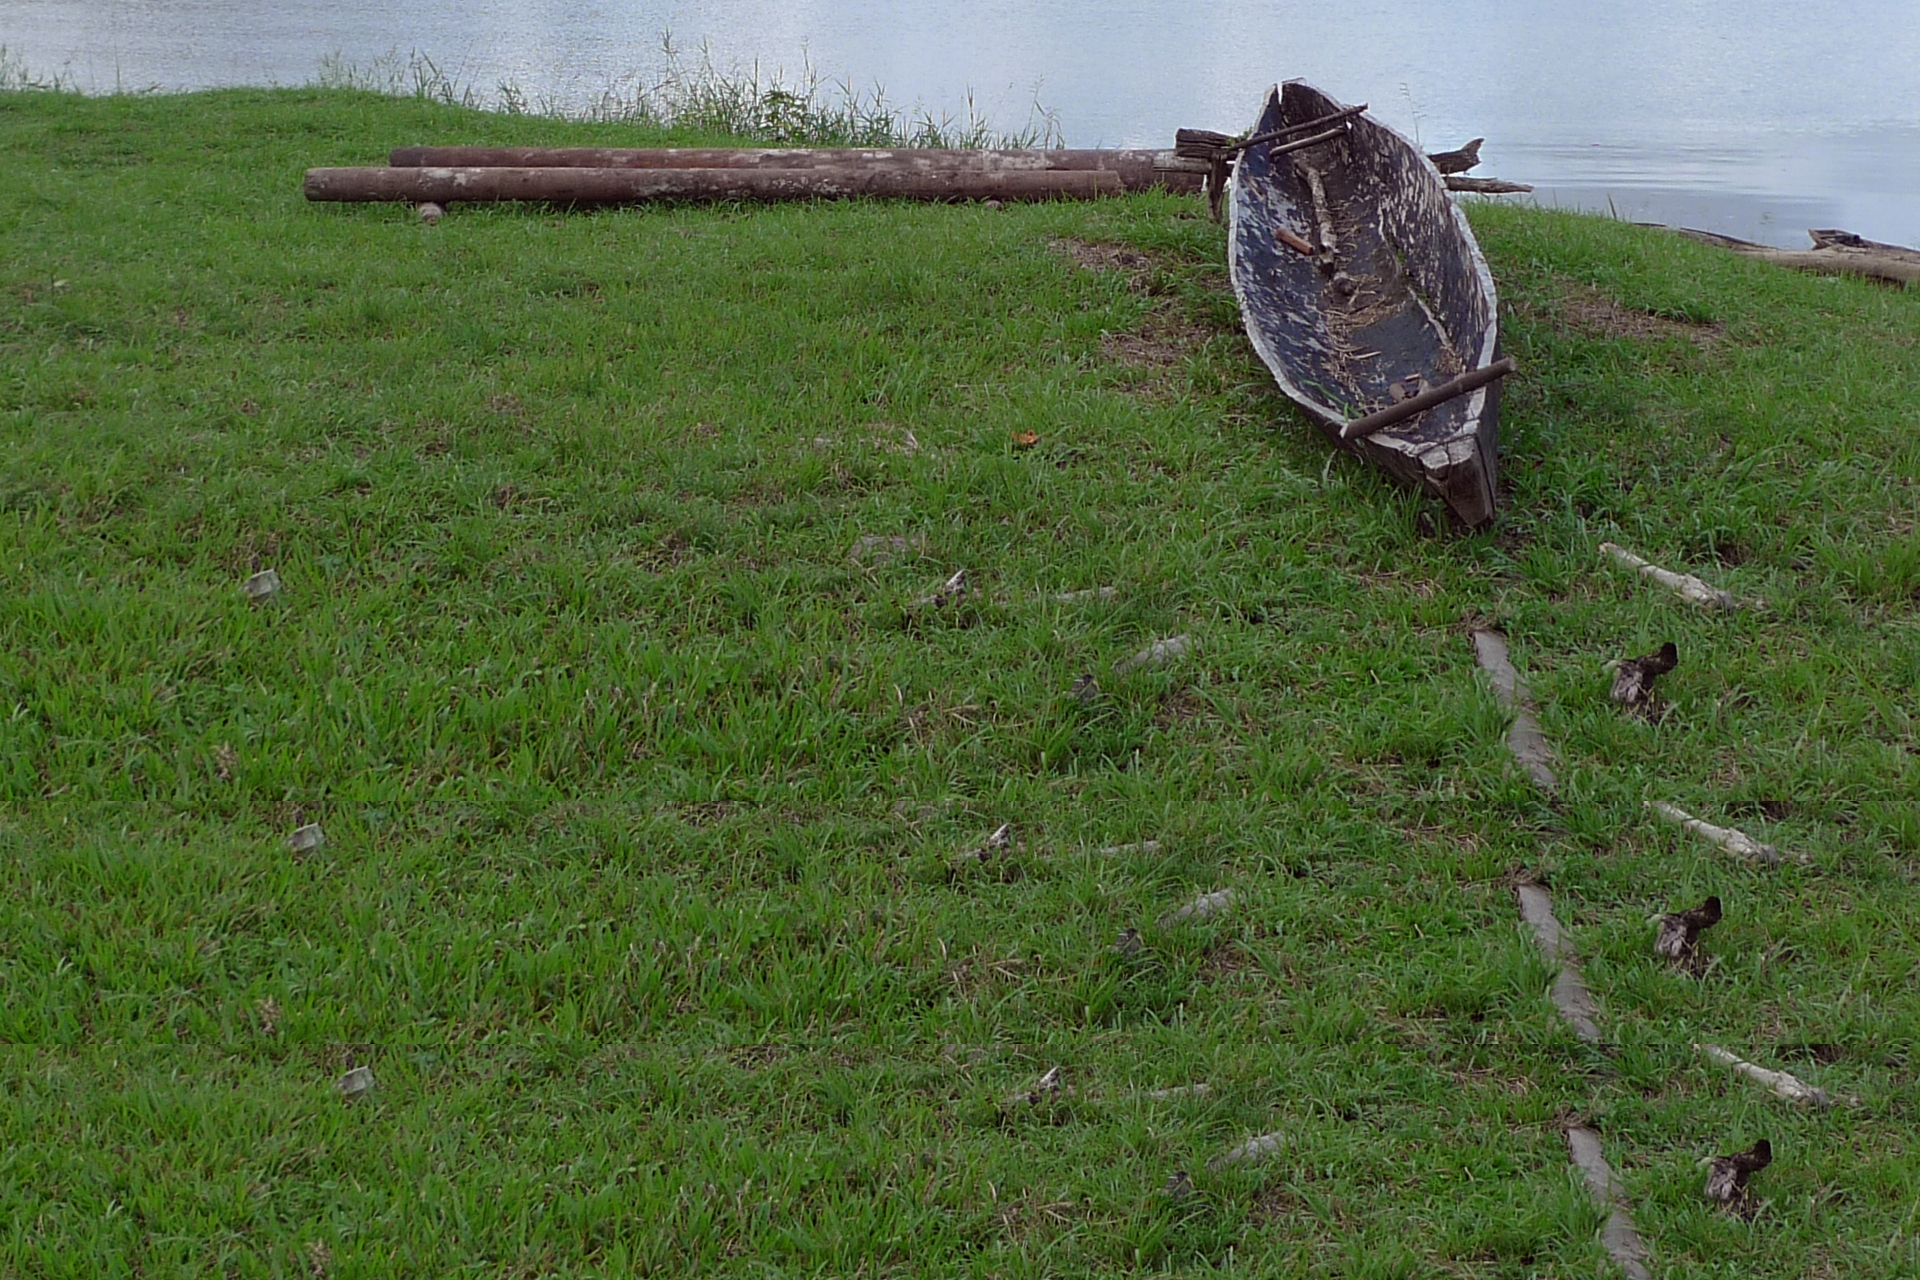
15	77
699	96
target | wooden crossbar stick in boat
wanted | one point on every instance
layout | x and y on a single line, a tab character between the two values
1471	381
1337	117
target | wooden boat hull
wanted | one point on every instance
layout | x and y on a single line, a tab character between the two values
1404	301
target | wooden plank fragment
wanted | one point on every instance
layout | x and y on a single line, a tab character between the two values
1524	739
1570	994
1621	1241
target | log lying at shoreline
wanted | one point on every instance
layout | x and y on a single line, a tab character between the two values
1835	253
562	185
1139	169
1485	186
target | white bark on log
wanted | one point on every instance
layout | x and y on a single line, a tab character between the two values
1685	585
1734	842
1783	1085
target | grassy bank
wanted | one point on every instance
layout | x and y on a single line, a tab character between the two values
644	781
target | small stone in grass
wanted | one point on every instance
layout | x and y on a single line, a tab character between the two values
307	839
431	213
262	585
991	204
356	1084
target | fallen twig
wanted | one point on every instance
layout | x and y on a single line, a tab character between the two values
1524	739
1618	1237
946	593
1685	585
1783	1085
1734	842
1570	994
1204	907
1046	1087
995	845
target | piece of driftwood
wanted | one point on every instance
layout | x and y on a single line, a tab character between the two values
1791	1088
1679	936
307	839
261	586
563	185
356	1084
1735	842
1137	169
1252	1151
1485	186
1727	1175
1835	253
1157	654
1684	585
1570	994
1381	419
1524	739
1633	677
1204	907
1458	160
1618	1237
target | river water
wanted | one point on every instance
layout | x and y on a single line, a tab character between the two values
1756	118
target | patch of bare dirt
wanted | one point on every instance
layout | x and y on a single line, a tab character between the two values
1135	265
1584	308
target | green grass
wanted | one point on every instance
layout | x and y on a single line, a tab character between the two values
643	797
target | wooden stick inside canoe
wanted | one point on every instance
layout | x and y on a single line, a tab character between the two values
1470	381
1323	122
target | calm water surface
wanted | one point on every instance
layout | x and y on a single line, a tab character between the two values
1758	119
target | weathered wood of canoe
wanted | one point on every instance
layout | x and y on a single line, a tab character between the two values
620	186
1403	302
1139	169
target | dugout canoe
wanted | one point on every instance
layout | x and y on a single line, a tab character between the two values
1365	294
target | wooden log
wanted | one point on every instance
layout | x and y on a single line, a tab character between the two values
1789	1087
1140	169
1837	254
1524	739
1469	381
1570	994
1485	186
624	186
1684	585
1621	1241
